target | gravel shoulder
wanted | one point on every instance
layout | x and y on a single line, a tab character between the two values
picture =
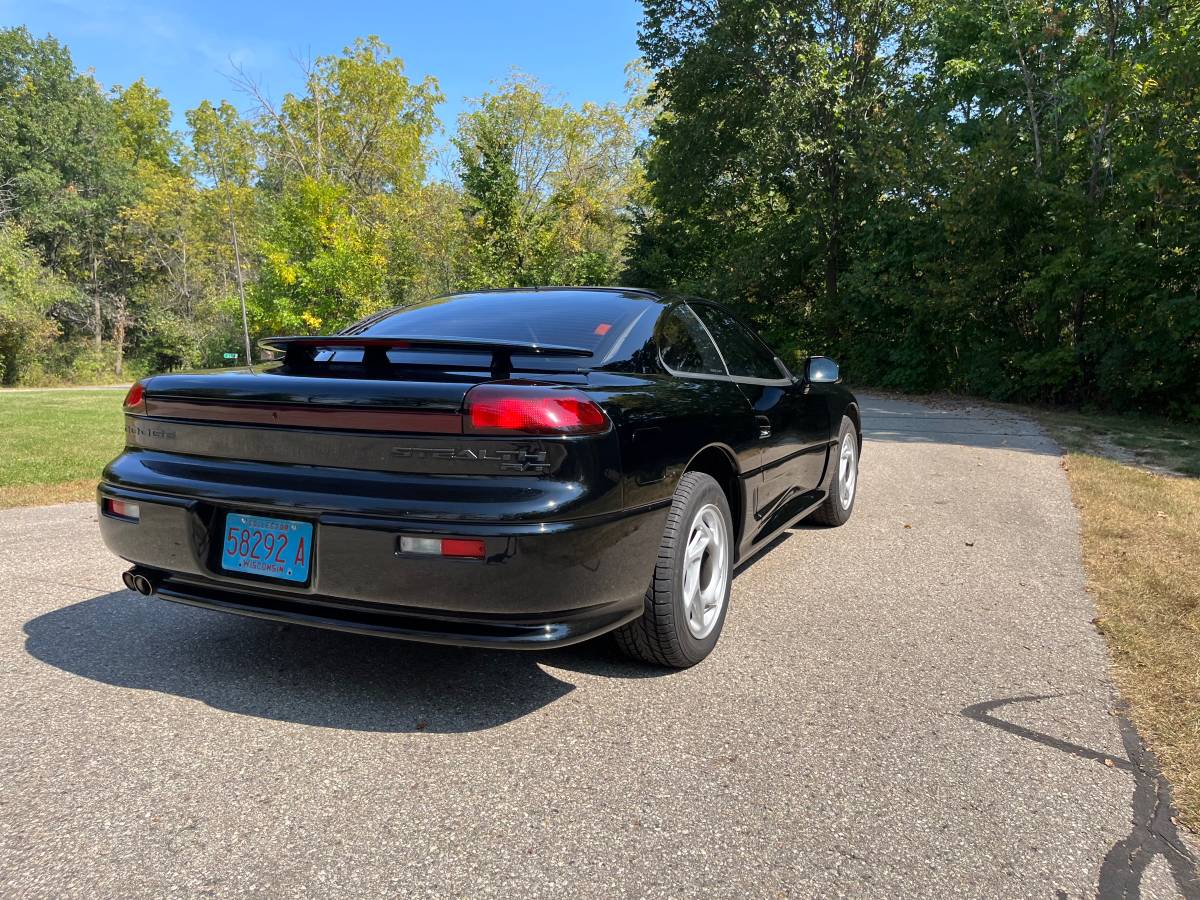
915	704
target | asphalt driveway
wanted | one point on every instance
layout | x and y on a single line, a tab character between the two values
913	705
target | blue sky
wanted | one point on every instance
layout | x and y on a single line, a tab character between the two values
577	47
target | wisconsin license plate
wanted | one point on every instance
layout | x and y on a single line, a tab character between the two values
274	548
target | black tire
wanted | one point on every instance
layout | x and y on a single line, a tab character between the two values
833	512
662	635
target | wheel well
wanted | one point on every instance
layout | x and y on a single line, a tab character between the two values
719	464
852	412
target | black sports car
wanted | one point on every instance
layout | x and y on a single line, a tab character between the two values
518	468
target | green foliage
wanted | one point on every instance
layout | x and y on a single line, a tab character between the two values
998	198
321	267
169	341
361	122
298	217
78	361
143	119
28	292
61	169
223	143
547	187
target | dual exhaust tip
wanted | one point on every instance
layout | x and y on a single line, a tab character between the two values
141	581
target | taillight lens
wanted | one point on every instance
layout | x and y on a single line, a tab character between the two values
515	408
135	400
122	509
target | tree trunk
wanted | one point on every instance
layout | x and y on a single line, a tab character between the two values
97	314
237	261
833	235
120	323
1030	99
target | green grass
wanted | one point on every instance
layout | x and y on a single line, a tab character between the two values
53	444
1142	441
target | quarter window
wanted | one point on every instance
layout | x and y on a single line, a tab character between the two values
745	355
685	346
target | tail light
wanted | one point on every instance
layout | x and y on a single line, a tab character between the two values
517	408
135	400
122	509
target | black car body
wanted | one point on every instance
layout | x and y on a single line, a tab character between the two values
491	468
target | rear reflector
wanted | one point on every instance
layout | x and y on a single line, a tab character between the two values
459	548
462	547
514	407
122	509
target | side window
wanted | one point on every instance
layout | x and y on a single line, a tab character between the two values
685	346
744	353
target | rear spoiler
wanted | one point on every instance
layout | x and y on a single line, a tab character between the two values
299	351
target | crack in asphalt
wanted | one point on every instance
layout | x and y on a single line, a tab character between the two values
1154	831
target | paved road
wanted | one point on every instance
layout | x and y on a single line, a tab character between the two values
912	705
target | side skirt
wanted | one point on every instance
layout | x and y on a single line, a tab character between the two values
785	515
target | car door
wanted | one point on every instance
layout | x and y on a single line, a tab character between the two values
702	393
793	424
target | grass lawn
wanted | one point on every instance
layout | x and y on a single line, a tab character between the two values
1141	551
53	444
1153	444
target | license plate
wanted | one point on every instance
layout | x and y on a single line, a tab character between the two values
273	548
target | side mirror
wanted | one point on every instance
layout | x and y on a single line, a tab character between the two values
822	370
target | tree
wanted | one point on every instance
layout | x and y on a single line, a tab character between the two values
143	119
322	267
766	155
60	161
992	197
547	186
361	122
225	152
431	240
28	292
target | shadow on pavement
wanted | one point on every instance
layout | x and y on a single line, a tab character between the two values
1153	823
747	564
907	422
307	675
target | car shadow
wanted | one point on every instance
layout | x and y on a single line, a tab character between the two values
308	676
747	563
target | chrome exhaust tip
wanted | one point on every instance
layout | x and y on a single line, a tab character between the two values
139	581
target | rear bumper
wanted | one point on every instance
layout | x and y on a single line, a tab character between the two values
541	584
558	630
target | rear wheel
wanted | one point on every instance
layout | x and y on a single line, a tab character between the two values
689	595
843	484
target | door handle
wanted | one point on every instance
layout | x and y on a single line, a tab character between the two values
764	426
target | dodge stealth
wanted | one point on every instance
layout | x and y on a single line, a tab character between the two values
520	468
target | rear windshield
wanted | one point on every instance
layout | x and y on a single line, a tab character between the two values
592	320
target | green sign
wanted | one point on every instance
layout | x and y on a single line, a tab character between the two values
230	355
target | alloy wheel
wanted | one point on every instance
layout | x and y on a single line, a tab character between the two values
705	571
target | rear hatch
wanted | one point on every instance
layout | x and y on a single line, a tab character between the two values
416	363
414	384
427	440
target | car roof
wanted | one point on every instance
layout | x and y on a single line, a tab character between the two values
630	293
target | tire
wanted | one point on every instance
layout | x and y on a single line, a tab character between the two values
836	510
670	632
